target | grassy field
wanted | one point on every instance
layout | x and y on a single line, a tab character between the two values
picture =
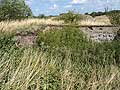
10	26
62	60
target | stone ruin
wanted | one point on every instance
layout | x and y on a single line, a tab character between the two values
95	33
28	38
25	38
100	33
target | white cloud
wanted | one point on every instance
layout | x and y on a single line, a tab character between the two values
54	7
29	2
68	6
78	1
53	0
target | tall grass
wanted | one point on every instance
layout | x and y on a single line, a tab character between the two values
10	26
63	60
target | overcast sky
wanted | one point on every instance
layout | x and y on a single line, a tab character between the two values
55	7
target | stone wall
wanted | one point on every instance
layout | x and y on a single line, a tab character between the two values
95	33
100	34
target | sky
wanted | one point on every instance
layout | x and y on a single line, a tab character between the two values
55	7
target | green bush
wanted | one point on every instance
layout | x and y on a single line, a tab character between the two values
70	37
94	14
73	40
6	40
70	17
14	9
114	17
41	16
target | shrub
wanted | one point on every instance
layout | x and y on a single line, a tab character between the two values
94	14
70	17
6	41
114	17
41	16
73	40
117	37
68	37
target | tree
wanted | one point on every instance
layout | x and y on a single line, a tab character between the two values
14	9
41	16
86	13
71	17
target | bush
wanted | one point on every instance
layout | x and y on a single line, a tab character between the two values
6	41
94	14
114	18
73	40
14	9
41	16
70	17
117	37
70	37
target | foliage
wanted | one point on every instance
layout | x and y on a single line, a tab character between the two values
114	17
75	41
70	17
41	16
67	37
14	9
63	60
94	14
6	40
117	37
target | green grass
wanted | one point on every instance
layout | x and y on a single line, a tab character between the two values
63	60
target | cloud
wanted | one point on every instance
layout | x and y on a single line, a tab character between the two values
53	0
54	7
29	2
58	6
78	1
68	6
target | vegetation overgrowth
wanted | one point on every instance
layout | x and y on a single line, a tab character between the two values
62	60
71	17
